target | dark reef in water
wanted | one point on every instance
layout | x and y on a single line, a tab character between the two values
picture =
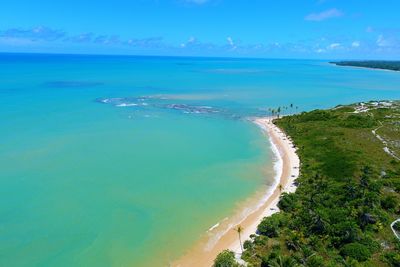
193	109
163	103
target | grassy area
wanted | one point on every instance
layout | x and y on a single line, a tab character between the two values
390	131
348	194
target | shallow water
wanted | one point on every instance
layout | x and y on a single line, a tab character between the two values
127	161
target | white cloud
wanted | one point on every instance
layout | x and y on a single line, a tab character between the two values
40	33
190	41
328	14
231	43
355	44
382	42
334	46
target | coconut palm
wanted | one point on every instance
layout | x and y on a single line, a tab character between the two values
284	262
239	230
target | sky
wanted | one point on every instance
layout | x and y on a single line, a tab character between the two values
320	29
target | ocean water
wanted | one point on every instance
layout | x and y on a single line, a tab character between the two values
127	161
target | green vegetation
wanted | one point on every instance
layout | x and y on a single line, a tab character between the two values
270	225
374	64
356	251
348	194
396	226
225	259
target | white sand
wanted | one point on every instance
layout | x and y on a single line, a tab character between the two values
286	152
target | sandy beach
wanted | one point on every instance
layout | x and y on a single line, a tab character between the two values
223	236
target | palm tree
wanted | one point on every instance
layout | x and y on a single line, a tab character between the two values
283	262
239	230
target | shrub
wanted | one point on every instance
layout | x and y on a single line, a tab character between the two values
315	261
344	232
356	251
389	202
315	115
370	243
294	240
344	109
287	202
392	258
283	261
248	244
358	121
270	225
260	240
225	259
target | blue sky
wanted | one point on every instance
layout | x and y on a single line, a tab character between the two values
325	29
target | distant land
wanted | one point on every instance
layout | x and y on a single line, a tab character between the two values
372	64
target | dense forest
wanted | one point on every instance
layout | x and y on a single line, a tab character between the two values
374	64
348	194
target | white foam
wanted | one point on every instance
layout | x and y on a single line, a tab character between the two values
213	227
126	105
278	169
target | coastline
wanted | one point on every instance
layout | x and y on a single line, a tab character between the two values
287	171
365	68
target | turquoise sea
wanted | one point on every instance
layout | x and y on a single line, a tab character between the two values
127	161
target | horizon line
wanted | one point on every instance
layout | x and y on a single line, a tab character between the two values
180	56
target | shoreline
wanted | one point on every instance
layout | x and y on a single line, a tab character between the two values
366	68
286	170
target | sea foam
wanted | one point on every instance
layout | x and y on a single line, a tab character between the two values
244	213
